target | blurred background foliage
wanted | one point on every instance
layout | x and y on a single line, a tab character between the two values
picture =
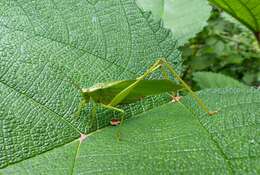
224	46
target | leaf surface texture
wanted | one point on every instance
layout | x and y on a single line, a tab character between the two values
176	138
49	49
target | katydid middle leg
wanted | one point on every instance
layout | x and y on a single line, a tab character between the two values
122	117
94	114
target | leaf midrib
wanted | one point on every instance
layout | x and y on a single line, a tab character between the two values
196	118
71	46
230	166
233	13
228	163
74	47
224	156
34	35
72	83
251	14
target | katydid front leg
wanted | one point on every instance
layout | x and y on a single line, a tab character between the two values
81	105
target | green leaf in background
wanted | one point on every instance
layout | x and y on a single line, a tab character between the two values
223	47
215	80
50	48
170	139
233	20
184	17
246	11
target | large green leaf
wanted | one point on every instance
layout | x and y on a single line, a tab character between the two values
246	11
50	48
184	17
172	139
215	80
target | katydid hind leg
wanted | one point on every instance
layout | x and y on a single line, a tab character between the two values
193	94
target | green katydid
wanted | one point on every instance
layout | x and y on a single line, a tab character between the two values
111	94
